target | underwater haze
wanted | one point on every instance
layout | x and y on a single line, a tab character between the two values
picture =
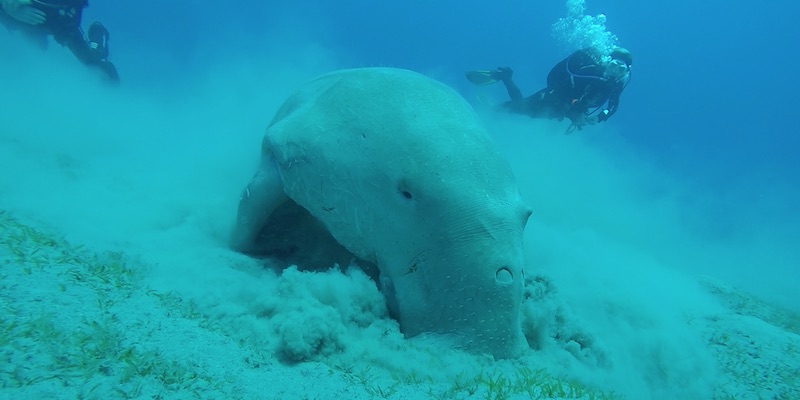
709	103
661	252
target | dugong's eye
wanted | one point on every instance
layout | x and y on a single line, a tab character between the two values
406	194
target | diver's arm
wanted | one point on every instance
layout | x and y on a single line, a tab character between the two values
613	105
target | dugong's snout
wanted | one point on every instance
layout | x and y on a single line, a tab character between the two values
476	298
493	319
477	288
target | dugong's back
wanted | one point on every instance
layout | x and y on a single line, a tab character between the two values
390	120
399	169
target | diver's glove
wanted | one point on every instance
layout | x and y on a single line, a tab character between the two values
503	73
22	11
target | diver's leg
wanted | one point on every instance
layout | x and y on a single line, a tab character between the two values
92	52
259	199
98	41
516	107
513	91
517	103
534	106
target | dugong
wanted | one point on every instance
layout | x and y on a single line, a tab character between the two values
397	168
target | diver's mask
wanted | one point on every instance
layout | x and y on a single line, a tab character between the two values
617	69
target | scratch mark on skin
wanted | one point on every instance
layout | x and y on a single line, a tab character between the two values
415	262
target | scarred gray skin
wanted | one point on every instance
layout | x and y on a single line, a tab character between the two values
400	172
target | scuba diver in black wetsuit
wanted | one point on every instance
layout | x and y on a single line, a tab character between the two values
577	88
62	19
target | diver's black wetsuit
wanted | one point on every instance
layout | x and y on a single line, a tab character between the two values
574	86
63	21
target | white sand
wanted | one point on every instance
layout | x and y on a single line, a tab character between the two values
80	324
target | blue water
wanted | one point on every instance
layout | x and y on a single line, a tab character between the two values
713	95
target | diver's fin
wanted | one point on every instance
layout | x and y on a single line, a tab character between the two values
482	76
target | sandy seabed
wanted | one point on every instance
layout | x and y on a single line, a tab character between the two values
76	323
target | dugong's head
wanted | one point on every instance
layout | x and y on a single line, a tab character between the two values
401	172
456	265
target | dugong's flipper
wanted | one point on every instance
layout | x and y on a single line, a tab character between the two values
270	224
263	195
